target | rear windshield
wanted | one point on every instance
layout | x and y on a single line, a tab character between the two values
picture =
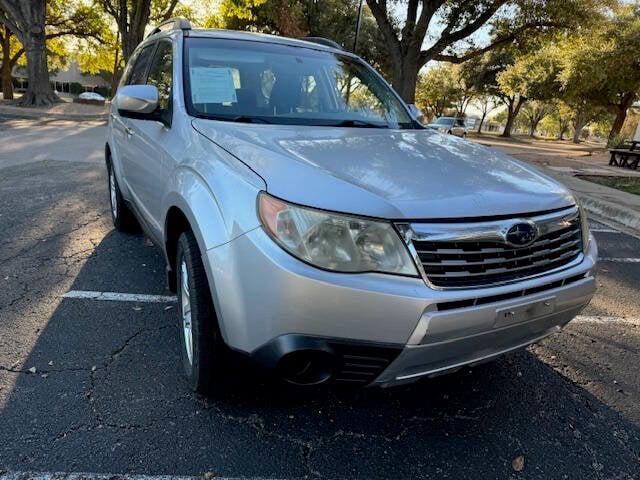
270	83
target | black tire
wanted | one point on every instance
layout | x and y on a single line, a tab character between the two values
123	218
203	367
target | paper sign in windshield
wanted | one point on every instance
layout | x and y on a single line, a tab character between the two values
212	85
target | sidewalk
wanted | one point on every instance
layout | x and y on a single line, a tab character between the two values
563	161
65	110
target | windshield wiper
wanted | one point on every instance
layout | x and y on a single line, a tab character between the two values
247	119
358	124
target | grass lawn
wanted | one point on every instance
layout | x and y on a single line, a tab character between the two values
626	184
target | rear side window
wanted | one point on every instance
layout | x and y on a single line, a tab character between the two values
139	70
161	76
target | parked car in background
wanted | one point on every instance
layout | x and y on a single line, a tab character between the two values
311	224
91	96
451	125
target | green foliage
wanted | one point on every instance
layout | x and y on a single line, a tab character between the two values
75	88
333	19
438	90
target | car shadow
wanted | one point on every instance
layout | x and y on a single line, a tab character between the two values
102	391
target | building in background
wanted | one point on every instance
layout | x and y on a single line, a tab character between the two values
69	81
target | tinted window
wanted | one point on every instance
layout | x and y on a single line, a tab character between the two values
271	83
161	76
140	67
444	121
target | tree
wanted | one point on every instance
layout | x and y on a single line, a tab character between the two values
438	91
133	16
534	112
12	51
333	19
35	23
27	21
460	20
486	104
602	67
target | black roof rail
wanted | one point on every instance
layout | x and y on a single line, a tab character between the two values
175	23
323	41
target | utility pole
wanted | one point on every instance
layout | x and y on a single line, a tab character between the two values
355	40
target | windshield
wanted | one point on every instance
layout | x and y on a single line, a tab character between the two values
269	83
444	121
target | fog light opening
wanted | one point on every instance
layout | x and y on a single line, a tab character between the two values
307	367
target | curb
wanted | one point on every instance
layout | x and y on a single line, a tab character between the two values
24	113
610	213
625	217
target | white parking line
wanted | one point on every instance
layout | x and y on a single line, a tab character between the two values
604	230
119	297
619	260
603	319
104	476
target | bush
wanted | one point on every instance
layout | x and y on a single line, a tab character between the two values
616	142
104	91
75	88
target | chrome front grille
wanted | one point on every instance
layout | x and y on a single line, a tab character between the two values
478	254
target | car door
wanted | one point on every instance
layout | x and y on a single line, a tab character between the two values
150	162
458	127
136	74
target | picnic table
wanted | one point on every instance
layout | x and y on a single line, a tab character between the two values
626	157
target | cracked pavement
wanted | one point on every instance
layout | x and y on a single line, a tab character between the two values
107	395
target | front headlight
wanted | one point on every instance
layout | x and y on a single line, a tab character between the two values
584	223
336	242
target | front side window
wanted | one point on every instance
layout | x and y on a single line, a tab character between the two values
161	76
139	69
270	83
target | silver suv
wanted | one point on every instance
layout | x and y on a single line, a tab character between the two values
311	224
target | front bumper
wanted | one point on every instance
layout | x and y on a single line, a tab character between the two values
262	293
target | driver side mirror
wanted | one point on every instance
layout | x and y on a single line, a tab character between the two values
415	112
138	101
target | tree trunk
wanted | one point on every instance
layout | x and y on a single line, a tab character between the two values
484	115
533	126
512	111
578	125
28	20
621	115
405	77
5	73
39	91
563	130
115	77
130	40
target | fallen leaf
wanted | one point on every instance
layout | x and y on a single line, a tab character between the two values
137	309
169	307
33	370
51	363
518	463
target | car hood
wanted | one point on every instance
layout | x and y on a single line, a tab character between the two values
394	174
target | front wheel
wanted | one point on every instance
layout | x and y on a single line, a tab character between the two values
122	217
202	347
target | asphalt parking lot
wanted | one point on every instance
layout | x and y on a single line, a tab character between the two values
94	386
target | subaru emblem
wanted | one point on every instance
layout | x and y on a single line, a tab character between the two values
522	234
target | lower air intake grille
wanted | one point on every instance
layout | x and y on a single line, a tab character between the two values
362	364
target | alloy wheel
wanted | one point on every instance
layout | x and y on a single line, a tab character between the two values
185	299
